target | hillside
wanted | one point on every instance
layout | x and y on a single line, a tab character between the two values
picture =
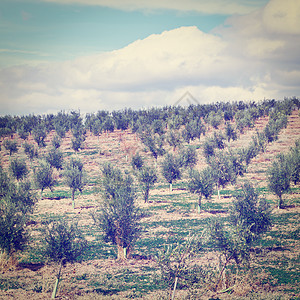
167	219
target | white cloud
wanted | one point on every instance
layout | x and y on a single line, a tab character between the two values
203	6
282	17
243	61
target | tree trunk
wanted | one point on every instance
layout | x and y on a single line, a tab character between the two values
73	198
171	187
280	202
146	195
199	205
123	252
56	282
174	289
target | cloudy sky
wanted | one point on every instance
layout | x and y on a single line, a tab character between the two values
111	54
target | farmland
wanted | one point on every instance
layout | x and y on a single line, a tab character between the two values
169	218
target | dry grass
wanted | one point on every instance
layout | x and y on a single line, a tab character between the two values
80	279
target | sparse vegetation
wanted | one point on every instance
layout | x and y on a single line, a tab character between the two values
248	138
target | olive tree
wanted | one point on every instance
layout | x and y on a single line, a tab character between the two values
39	135
118	216
147	177
16	203
18	168
224	170
55	158
187	157
279	177
171	169
137	162
30	151
201	183
249	218
11	146
43	176
63	243
75	177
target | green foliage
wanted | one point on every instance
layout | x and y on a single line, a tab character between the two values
223	169
55	158
11	146
16	202
201	183
63	242
251	215
96	127
23	134
230	133
43	176
171	168
176	264
30	151
158	127
108	124
187	157
218	140
13	235
147	177
18	168
214	119
118	217
137	161
173	139
208	148
20	195
39	135
154	143
249	219
294	162
279	176
193	129
77	143
74	176
56	141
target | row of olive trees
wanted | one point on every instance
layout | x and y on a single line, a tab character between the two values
171	117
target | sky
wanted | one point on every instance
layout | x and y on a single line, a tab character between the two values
109	55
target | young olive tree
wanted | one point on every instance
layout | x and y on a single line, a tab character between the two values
173	139
294	162
55	158
154	143
74	177
230	133
18	168
64	243
11	146
279	177
249	218
30	151
56	141
187	157
118	216
16	203
43	177
147	177
137	162
201	183
171	169
39	135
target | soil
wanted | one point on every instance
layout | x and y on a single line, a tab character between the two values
38	278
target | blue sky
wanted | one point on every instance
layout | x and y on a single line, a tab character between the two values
99	54
57	31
